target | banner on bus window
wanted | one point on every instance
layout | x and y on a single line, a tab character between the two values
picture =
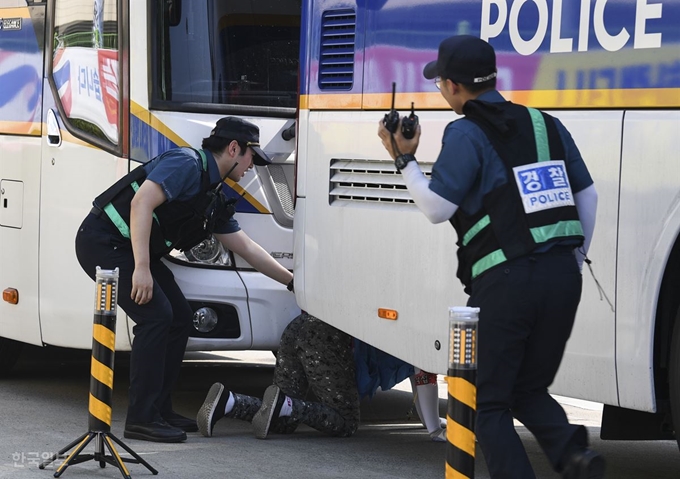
87	82
20	92
20	74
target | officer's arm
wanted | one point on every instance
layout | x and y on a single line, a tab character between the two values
585	196
436	208
586	205
241	244
148	197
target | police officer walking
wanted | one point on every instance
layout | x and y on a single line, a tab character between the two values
172	202
512	182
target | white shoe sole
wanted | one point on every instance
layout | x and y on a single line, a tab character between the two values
263	417
207	411
439	435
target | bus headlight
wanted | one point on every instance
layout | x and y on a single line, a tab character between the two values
209	251
205	320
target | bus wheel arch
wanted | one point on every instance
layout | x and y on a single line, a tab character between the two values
9	354
674	379
667	341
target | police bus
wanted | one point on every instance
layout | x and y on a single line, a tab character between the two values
92	88
609	70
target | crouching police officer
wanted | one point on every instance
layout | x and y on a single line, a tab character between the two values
173	201
515	188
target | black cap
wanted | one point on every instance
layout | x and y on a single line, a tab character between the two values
463	59
233	128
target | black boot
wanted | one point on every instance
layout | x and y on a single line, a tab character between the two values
584	464
159	431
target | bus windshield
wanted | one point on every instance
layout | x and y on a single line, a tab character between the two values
228	53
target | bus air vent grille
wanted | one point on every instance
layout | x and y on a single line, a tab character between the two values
365	182
282	189
336	62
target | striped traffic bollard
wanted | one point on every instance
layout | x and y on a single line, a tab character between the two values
101	388
462	397
103	349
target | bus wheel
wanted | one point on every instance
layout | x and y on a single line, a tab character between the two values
674	379
9	353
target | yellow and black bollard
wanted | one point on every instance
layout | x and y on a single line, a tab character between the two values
462	397
101	388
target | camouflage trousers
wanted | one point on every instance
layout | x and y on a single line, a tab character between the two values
313	356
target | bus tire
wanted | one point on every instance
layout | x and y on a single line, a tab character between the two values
674	379
9	354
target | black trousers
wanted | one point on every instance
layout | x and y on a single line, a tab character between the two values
527	309
162	325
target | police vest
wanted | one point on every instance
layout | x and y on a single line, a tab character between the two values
534	207
177	224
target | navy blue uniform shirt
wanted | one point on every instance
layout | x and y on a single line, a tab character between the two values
468	167
178	172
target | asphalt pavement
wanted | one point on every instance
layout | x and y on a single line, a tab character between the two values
44	406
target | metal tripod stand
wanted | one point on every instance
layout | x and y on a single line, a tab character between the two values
101	389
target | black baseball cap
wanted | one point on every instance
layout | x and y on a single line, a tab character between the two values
234	128
463	59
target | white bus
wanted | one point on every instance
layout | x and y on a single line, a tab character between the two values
609	70
92	88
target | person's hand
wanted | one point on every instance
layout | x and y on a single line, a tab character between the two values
142	285
403	145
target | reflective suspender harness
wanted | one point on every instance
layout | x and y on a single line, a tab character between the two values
535	206
177	224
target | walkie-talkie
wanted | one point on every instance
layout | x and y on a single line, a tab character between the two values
391	119
409	124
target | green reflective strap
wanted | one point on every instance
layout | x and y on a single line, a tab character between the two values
479	226
135	187
117	220
541	135
488	261
204	158
558	230
540	234
120	223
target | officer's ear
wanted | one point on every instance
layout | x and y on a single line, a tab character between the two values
234	149
452	86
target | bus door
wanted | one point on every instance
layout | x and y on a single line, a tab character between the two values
21	63
83	152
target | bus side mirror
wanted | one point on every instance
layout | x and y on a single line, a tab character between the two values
174	11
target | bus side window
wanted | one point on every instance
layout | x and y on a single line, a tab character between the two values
85	67
229	53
